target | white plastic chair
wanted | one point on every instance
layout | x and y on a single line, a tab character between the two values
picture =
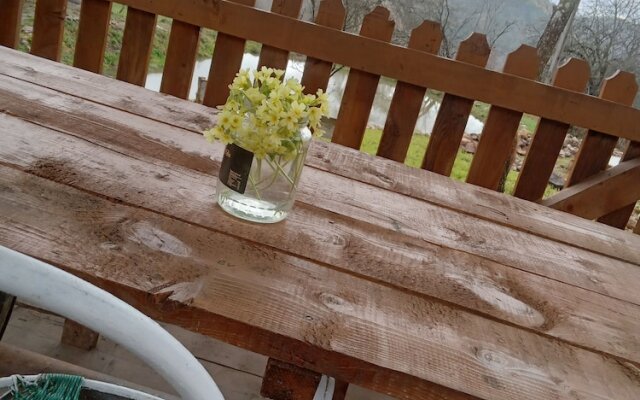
69	296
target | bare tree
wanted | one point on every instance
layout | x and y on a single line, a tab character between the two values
552	39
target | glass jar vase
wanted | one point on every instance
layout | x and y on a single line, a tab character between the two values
260	189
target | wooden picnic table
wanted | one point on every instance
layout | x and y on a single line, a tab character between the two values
393	278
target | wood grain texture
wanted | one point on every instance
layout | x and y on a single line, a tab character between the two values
549	137
492	160
602	193
136	46
10	22
404	65
266	300
317	72
225	64
597	147
361	86
274	57
620	218
406	103
92	35
48	28
181	59
454	112
358	247
474	201
76	335
284	381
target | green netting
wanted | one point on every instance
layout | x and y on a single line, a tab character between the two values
48	387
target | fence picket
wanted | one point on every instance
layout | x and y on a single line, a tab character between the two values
317	72
360	90
136	46
495	150
181	59
406	104
92	35
272	56
549	137
10	21
454	112
48	28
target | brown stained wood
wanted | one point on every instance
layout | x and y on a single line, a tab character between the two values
7	302
317	72
181	59
451	274
493	158
474	201
225	64
284	381
405	65
136	46
602	193
92	35
637	228
619	218
76	335
361	86
597	147
292	309
48	28
10	21
274	57
452	118
549	137
407	99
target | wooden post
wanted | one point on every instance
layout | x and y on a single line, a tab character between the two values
274	57
48	28
202	86
76	335
137	42
10	20
92	35
283	381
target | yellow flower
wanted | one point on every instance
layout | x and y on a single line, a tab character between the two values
225	119
298	110
315	114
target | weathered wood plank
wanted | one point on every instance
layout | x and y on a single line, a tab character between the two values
92	35
452	118
549	137
48	28
274	57
225	64
361	86
136	46
493	159
407	99
271	302
181	59
354	165
601	193
331	13
10	21
76	335
597	147
404	65
356	243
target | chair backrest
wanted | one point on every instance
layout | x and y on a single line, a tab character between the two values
52	289
511	93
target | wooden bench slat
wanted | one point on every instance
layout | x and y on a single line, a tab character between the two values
137	43
454	112
180	63
48	28
317	72
274	57
407	100
601	193
361	86
620	218
225	64
10	22
92	35
549	137
492	160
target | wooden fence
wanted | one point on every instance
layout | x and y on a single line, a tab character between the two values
594	191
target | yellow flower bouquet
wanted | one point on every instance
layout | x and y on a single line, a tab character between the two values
267	124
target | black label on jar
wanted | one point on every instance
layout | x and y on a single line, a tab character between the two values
235	168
